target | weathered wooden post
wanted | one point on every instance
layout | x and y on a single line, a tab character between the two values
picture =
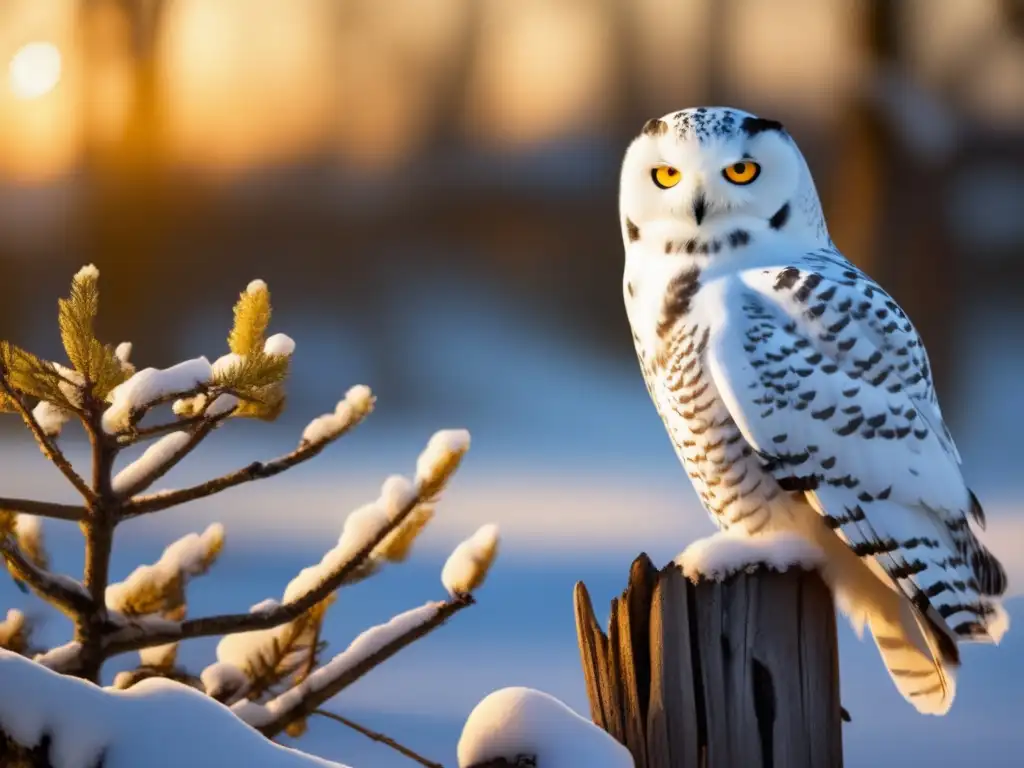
739	673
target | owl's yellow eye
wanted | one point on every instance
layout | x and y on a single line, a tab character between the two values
665	176
743	172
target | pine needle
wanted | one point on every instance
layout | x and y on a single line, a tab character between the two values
252	318
30	375
76	315
253	372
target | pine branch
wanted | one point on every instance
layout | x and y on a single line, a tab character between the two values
148	634
60	591
378	737
312	697
44	509
46	445
258	470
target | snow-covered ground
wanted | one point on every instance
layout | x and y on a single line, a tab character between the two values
570	460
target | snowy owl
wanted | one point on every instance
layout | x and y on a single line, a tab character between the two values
796	391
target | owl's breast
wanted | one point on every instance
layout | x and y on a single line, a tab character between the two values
723	468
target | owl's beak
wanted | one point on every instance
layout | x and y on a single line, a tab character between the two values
700	206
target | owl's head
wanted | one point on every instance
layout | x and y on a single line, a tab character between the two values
701	174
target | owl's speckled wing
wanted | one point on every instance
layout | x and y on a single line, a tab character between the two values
828	381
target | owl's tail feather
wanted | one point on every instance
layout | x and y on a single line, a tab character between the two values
921	657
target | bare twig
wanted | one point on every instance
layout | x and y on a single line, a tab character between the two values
58	590
158	430
312	698
46	445
258	470
147	635
378	737
44	509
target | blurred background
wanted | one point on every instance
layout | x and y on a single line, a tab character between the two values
429	188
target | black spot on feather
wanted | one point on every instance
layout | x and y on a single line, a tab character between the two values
779	218
679	294
755	125
632	231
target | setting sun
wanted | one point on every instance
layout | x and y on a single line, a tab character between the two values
34	70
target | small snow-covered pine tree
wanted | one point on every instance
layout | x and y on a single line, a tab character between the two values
271	667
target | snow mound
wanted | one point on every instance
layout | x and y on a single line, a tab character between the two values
719	556
156	723
521	721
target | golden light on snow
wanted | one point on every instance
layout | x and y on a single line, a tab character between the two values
34	70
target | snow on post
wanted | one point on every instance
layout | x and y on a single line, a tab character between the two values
514	723
467	567
725	554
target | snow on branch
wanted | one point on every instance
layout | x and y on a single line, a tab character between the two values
467	567
369	649
76	723
522	726
51	417
342	563
354	408
723	554
285	654
372	527
158	590
132	478
150	387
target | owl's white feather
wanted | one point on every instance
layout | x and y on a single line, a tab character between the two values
796	391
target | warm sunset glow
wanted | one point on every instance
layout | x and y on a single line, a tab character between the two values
34	70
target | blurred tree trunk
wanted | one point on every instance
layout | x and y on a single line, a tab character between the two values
129	208
885	203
